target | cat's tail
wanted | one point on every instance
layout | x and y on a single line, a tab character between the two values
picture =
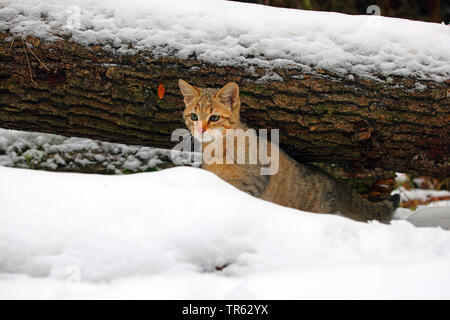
356	207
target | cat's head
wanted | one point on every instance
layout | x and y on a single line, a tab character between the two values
209	109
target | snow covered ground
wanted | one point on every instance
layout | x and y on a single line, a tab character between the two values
45	151
184	233
231	33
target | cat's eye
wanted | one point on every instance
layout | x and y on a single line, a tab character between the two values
214	118
194	117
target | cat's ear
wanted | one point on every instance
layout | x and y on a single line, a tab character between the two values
189	92
229	94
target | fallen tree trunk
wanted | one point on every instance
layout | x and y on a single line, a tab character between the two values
401	124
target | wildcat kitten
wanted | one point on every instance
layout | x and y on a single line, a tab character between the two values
295	185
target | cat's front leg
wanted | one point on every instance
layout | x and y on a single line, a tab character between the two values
244	177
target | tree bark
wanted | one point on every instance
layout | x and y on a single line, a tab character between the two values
400	124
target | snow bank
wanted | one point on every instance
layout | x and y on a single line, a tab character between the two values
229	33
432	217
184	233
48	151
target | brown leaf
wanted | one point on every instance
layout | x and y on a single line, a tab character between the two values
161	91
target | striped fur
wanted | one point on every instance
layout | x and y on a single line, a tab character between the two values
295	185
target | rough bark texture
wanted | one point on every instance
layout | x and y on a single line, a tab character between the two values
72	90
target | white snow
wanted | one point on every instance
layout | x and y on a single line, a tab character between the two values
420	194
231	33
401	177
434	215
431	217
164	235
42	150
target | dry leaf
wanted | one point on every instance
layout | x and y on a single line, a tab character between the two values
161	91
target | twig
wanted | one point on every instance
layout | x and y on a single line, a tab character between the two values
12	42
28	62
42	64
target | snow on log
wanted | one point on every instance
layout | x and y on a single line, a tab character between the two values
370	92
